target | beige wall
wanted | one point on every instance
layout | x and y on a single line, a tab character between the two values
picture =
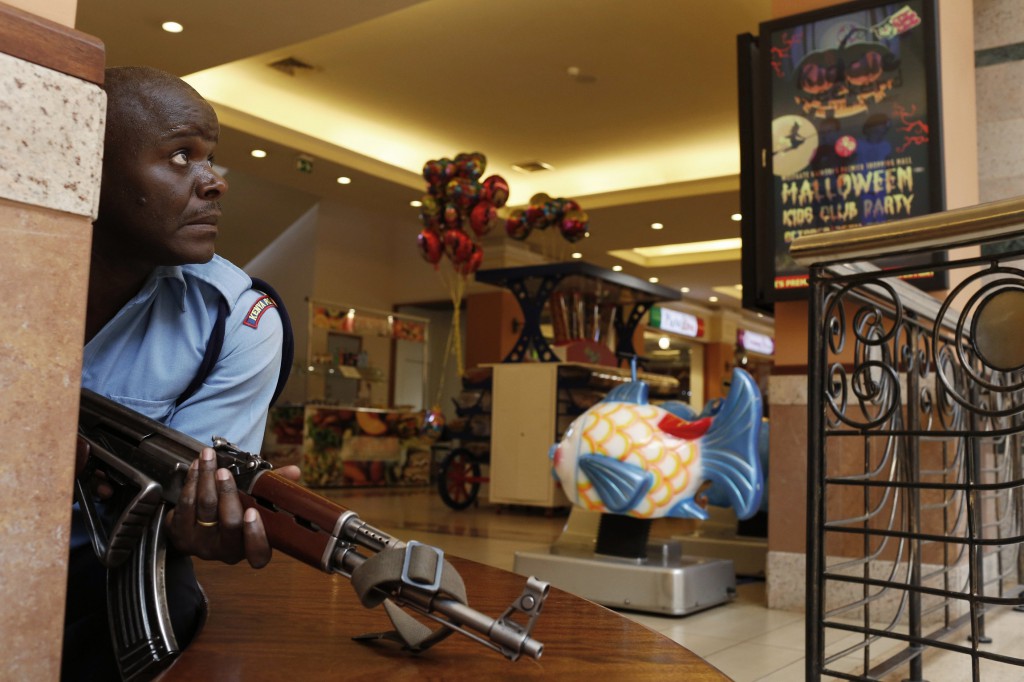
1000	110
61	11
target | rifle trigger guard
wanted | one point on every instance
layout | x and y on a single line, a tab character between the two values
435	586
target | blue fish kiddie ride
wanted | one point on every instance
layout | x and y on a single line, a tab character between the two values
633	462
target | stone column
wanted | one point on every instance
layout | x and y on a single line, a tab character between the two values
51	146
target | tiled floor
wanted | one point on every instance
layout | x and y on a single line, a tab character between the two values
743	639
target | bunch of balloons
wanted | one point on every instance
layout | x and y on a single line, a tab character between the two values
458	209
544	212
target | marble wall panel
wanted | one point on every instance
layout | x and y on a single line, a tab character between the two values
44	252
51	138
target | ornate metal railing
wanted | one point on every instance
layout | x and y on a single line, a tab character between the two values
915	481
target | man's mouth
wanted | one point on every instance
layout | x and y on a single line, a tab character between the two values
205	219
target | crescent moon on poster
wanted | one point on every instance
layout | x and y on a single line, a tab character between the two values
794	139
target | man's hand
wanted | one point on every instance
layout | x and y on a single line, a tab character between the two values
209	522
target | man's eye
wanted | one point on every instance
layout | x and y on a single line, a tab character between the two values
180	158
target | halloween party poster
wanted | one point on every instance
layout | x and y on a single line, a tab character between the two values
854	125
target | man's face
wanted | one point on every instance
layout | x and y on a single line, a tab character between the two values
159	203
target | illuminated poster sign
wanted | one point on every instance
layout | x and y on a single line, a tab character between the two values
853	115
677	322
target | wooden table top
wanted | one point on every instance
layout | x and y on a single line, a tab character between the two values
291	622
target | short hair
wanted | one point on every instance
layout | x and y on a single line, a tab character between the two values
130	102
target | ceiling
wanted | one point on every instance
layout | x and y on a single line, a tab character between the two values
633	104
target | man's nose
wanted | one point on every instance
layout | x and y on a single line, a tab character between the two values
213	185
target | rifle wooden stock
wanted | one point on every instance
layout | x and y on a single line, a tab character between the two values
139	454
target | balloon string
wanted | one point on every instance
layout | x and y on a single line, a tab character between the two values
453	345
458	287
444	370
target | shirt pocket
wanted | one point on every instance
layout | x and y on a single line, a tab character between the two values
157	410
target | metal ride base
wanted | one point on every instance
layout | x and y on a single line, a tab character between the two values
665	582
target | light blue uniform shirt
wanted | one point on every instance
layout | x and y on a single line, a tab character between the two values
148	354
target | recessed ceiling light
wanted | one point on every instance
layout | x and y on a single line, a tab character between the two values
664	343
344	180
760	315
415	203
617	268
711	251
736	217
258	153
713	299
577	255
684	290
652	280
657	226
739	287
172	27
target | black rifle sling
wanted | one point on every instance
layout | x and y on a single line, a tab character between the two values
216	342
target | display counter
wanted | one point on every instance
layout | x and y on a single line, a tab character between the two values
348	446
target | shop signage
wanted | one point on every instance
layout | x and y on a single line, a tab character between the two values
754	342
677	322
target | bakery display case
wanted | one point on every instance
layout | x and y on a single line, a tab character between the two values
346	433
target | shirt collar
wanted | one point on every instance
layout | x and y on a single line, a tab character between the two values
174	275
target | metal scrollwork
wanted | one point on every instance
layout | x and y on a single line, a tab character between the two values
975	327
876	328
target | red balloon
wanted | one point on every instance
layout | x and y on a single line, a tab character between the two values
474	261
430	245
464	192
536	217
574	226
470	165
481	216
458	246
516	226
495	191
438	172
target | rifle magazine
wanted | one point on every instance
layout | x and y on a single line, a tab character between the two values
140	621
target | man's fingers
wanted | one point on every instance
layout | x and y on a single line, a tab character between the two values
230	506
210	521
185	512
257	547
206	488
291	472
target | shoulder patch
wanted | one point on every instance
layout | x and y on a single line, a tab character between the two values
256	312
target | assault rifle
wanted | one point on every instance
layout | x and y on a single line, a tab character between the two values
146	463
